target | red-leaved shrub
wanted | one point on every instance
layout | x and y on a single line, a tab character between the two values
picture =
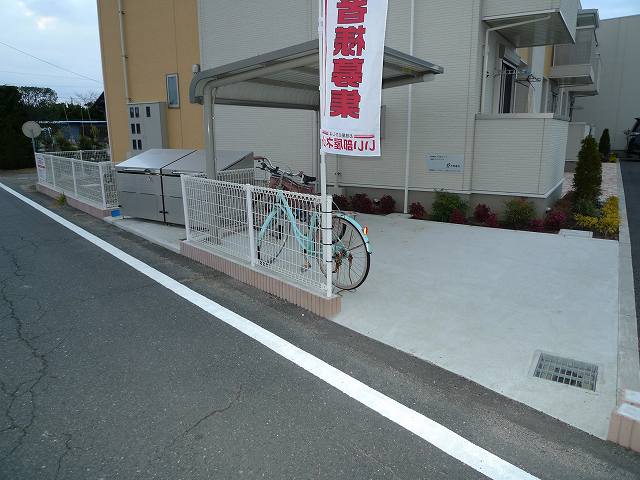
457	217
386	205
536	225
481	213
492	221
341	202
417	211
556	219
362	203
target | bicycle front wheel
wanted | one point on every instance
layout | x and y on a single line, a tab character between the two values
272	237
350	258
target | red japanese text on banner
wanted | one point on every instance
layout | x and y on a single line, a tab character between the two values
351	80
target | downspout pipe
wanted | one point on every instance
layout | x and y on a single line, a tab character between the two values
123	51
485	70
407	159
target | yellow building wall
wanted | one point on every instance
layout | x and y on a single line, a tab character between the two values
161	37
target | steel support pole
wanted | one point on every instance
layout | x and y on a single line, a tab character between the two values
210	140
185	206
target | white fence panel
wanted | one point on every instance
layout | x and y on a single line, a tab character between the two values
91	181
274	230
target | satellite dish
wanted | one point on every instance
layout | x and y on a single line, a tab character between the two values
31	129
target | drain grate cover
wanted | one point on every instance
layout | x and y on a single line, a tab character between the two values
567	371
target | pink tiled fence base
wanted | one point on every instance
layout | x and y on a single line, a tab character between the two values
77	204
315	303
624	428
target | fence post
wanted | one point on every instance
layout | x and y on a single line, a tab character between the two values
252	234
53	173
80	155
327	230
185	205
73	173
104	196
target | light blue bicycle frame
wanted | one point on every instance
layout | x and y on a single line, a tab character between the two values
305	241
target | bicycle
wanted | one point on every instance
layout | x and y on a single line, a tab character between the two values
350	248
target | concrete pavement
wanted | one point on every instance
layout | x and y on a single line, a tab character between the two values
107	374
484	303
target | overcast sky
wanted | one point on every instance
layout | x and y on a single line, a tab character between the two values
65	33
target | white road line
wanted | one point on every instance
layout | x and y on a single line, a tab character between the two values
439	436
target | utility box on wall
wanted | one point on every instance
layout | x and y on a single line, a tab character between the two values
147	126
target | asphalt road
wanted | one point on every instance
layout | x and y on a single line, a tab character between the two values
631	180
106	374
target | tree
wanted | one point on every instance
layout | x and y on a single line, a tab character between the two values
15	148
40	103
605	144
588	176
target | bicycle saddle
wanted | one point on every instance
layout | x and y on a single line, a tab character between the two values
307	180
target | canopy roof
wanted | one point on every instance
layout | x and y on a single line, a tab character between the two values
289	78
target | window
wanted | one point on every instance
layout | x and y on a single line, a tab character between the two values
131	112
139	144
173	95
138	128
148	112
507	87
137	112
133	129
135	145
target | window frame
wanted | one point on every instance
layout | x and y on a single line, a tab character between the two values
171	76
507	66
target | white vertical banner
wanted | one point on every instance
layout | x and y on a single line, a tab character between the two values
352	48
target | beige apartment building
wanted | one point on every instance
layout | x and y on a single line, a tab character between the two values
502	107
148	48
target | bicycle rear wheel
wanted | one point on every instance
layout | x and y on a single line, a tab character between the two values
276	235
350	258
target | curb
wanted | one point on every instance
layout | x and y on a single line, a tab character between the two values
628	359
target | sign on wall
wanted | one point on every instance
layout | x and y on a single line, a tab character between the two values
445	162
351	81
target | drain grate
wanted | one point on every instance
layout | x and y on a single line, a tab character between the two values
567	371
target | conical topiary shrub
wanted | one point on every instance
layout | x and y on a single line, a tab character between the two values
588	176
605	144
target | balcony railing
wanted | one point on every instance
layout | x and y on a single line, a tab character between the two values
520	153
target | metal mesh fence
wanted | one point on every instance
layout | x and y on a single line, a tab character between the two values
273	230
84	155
90	181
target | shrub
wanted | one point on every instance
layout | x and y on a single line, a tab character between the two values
341	202
457	217
605	144
492	221
613	158
518	213
387	205
481	213
555	220
588	175
607	224
588	222
444	205
536	225
362	203
584	206
417	211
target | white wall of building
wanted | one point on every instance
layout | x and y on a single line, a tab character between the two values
619	100
447	33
